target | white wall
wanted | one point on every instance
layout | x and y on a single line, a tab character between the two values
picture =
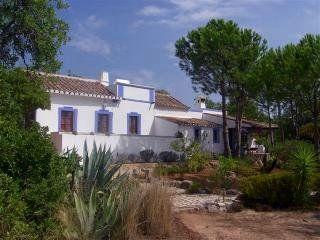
136	93
117	143
86	113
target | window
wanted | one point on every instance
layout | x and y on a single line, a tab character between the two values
67	119
216	135
197	134
134	123
103	122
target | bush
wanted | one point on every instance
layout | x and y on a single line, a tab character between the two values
168	156
162	170
276	189
303	164
282	151
30	160
194	188
12	209
147	155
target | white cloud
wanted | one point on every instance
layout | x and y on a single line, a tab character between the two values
91	43
93	21
87	40
152	10
191	12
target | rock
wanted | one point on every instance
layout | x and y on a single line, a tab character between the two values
235	206
232	192
185	184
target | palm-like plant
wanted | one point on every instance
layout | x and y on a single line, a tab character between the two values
303	165
95	196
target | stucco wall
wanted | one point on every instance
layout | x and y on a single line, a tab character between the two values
117	143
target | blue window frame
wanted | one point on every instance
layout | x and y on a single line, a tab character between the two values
103	121
152	95
67	119
120	90
134	123
216	135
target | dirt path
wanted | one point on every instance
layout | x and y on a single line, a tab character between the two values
251	225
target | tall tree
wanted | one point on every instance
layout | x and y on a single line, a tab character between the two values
32	33
248	47
265	83
206	55
308	57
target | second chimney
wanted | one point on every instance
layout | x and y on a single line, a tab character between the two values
104	78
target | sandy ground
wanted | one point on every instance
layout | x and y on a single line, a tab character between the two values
251	225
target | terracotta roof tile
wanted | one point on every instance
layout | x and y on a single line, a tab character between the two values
253	123
165	101
77	86
190	121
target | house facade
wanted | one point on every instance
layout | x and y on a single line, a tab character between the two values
124	116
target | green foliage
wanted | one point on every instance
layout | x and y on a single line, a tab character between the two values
194	188
276	189
192	152
98	186
27	154
20	93
228	166
283	151
28	157
303	165
32	32
163	170
147	155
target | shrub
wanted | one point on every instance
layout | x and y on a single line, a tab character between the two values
30	160
282	151
162	170
303	164
12	209
194	188
168	156
147	155
276	189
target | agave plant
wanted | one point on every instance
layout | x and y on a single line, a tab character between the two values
97	189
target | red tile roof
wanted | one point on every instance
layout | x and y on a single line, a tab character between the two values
165	101
76	86
252	123
190	121
89	87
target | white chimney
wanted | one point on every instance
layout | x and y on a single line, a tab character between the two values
104	78
201	102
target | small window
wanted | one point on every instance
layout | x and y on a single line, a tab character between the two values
133	124
216	135
103	123
66	121
197	134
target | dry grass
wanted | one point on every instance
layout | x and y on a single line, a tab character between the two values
143	210
156	210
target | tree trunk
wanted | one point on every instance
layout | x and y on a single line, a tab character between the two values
270	128
238	127
280	122
227	151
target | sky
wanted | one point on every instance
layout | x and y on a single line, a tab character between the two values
134	39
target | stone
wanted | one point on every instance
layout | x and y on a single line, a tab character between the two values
235	206
185	184
232	192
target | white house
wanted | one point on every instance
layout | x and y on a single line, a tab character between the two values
125	116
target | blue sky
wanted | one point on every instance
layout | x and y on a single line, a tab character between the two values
134	39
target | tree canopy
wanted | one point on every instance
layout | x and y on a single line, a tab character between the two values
32	33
